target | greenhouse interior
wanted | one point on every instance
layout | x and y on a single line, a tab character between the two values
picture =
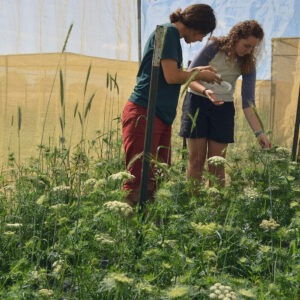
67	69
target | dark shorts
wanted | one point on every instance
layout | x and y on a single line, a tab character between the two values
202	119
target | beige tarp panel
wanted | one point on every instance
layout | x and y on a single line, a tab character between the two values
26	83
30	88
285	88
244	135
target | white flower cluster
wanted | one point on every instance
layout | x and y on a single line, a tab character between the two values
269	224
283	151
45	293
13	225
251	193
214	194
219	291
58	206
217	161
120	278
90	182
104	239
213	191
9	233
61	188
205	229
121	176
100	184
178	292
119	207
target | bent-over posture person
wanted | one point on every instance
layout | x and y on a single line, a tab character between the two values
208	111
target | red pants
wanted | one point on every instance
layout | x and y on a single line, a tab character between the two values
134	130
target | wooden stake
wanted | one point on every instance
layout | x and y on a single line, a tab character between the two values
158	46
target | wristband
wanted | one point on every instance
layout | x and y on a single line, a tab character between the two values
204	92
258	133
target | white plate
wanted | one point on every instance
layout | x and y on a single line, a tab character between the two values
219	88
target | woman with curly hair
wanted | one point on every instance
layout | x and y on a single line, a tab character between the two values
208	111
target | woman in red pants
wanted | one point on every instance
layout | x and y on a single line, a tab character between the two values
191	24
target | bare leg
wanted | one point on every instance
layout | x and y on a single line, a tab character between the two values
197	149
217	149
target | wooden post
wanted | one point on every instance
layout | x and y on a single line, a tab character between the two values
139	19
296	131
158	46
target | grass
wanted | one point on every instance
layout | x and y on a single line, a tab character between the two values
66	233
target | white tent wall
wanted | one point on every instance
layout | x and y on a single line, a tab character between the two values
101	28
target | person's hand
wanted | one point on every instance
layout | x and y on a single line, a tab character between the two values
213	98
208	68
208	74
264	141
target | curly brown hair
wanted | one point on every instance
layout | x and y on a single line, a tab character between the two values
200	17
241	30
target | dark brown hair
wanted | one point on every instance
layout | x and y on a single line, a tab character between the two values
241	30
200	17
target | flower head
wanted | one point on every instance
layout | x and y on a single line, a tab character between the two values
118	207
217	161
104	239
121	176
283	152
120	278
247	294
205	229
9	233
13	225
61	188
219	291
265	248
177	292
45	293
269	224
90	182
145	287
58	206
100	184
251	193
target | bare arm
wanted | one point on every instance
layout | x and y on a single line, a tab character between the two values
173	75
256	127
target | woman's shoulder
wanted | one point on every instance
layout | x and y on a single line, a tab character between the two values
211	48
213	45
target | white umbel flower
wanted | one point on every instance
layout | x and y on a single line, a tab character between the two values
121	176
217	161
119	207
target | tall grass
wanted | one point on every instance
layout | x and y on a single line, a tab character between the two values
75	238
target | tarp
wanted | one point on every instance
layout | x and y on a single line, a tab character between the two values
109	28
278	18
285	89
31	102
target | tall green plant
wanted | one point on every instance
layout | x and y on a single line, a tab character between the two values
51	91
